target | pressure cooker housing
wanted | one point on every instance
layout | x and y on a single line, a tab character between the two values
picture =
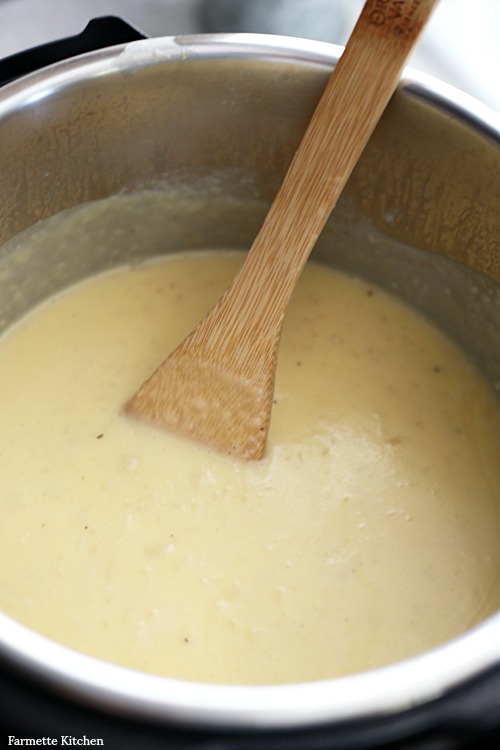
218	118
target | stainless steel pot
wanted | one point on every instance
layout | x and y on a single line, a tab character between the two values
220	116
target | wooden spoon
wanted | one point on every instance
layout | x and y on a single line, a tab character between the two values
218	385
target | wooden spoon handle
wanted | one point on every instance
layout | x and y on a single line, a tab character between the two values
349	109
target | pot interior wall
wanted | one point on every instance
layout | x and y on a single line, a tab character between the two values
209	140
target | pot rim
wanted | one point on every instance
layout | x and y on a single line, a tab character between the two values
380	692
131	57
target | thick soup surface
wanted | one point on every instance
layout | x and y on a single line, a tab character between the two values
370	532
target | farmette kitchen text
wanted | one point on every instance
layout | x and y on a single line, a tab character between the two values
64	739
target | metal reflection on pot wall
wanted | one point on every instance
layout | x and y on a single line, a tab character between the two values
184	109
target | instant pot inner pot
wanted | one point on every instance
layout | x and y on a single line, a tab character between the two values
190	152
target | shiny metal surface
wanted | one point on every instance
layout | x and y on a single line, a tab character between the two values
424	198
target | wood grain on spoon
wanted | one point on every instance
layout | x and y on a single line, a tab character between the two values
218	385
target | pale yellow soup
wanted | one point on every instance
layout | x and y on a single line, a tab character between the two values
370	531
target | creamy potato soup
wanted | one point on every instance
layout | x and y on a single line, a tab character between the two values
370	531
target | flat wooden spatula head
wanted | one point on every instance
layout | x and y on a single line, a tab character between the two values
208	402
